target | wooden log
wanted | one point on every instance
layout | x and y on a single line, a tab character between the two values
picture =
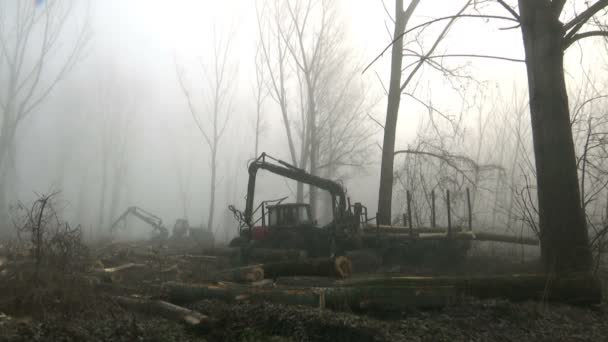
522	240
196	257
306	281
364	299
339	267
576	288
246	274
233	256
115	274
262	255
167	310
364	260
476	236
386	229
220	251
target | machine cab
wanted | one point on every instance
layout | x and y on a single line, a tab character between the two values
289	215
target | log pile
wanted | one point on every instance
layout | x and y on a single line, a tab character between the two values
397	293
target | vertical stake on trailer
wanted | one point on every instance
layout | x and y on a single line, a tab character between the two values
469	208
409	213
449	214
432	208
377	231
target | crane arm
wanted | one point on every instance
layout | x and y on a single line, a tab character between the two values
287	170
151	219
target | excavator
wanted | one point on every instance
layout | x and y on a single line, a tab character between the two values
159	231
290	225
181	229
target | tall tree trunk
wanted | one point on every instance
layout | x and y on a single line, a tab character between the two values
385	195
314	143
212	192
563	233
102	197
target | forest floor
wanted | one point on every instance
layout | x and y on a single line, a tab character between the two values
70	309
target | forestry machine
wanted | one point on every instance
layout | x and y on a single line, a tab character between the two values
181	229
290	225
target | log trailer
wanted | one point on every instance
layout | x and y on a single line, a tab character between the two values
290	225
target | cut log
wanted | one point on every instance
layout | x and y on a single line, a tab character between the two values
575	288
220	251
386	229
300	281
246	274
522	240
167	310
232	255
339	267
360	299
115	274
262	255
365	260
196	257
455	236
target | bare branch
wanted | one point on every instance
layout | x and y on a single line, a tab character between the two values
569	41
509	59
584	16
508	8
451	17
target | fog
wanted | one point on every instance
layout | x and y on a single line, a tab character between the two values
117	129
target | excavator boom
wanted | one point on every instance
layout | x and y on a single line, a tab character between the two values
151	219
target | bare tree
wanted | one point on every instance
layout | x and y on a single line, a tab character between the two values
563	233
217	107
116	111
309	77
30	42
397	87
260	92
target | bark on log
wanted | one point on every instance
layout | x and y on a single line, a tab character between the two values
481	236
167	310
386	229
246	274
232	254
339	267
262	255
115	274
376	298
300	281
575	288
365	260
